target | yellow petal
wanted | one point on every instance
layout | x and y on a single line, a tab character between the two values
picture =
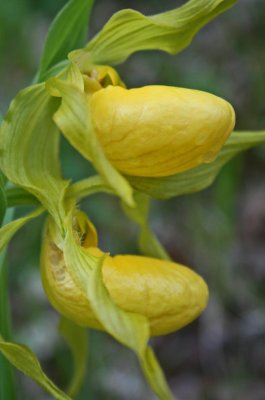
168	294
159	130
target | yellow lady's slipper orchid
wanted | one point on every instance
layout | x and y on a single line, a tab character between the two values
168	294
158	130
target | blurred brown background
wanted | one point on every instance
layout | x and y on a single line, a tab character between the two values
219	232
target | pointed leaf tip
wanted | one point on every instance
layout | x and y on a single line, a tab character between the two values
67	32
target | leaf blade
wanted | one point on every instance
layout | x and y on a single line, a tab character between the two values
67	32
25	360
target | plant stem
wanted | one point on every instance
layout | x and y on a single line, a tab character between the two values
7	385
16	196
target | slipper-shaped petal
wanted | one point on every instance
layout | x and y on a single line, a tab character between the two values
168	294
157	131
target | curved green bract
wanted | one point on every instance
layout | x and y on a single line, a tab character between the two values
25	360
129	31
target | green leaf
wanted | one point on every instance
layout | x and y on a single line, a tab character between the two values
74	120
67	32
26	361
76	338
7	231
129	31
131	329
148	242
29	142
201	177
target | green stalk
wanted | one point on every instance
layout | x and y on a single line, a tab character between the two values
7	383
16	196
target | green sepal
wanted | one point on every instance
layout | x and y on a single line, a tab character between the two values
74	120
148	243
26	361
76	338
29	148
201	177
68	31
129	31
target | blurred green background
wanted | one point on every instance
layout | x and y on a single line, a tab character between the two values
219	232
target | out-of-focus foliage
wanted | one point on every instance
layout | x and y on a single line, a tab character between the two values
220	232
